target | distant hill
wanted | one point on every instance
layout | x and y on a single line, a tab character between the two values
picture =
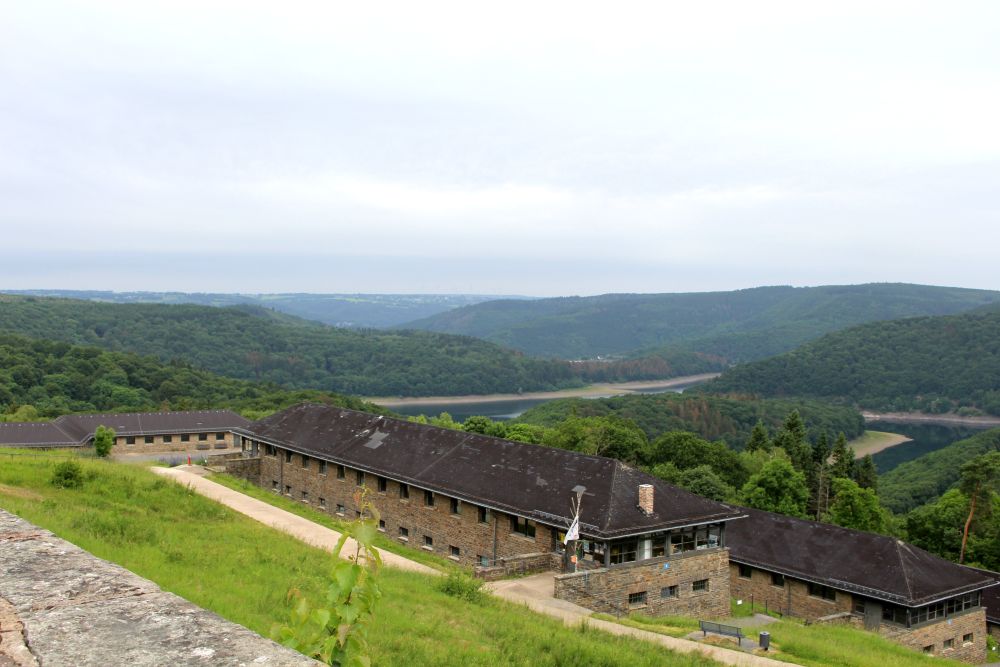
58	378
359	311
711	417
930	364
736	326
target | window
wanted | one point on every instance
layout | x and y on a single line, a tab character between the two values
381	525
483	560
682	540
168	438
967	639
428	499
288	456
305	462
185	437
825	592
404	491
322	501
523	527
148	439
456	506
341	509
668	592
274	484
859	606
383	484
428	541
404	533
948	644
341	472
202	437
894	614
637	599
220	436
929	649
623	552
746	571
777	580
700	586
360	478
288	489
484	515
305	496
322	467
130	440
454	551
270	450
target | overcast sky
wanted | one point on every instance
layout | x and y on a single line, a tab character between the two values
531	148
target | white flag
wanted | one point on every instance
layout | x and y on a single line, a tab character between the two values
574	530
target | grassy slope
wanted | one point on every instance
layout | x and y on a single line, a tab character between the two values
242	570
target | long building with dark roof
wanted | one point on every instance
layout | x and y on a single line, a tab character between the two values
819	571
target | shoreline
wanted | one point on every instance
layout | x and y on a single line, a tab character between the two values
590	391
927	418
873	442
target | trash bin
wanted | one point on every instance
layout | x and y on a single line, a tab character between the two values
765	640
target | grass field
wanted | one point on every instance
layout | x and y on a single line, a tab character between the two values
873	442
242	570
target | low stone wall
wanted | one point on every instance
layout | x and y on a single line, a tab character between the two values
248	469
668	585
953	628
76	609
516	565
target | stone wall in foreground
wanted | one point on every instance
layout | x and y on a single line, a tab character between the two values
79	610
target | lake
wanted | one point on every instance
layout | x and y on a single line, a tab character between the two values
926	438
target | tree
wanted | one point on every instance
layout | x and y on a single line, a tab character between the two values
104	440
819	476
980	477
485	425
686	450
705	482
778	487
866	474
856	507
792	438
610	436
843	458
759	438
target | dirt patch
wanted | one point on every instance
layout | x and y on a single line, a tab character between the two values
17	492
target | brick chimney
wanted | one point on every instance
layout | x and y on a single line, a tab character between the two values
646	498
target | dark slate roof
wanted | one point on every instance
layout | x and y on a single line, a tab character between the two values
529	480
873	565
75	430
991	596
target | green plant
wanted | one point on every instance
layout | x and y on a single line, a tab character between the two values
67	475
461	585
104	440
336	632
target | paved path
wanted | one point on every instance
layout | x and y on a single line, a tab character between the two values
296	526
534	592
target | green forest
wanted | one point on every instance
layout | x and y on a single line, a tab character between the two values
254	343
928	364
735	326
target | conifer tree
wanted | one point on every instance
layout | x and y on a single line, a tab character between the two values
866	474
792	438
759	438
843	459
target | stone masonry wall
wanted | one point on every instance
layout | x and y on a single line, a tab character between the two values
473	539
954	628
608	589
176	444
791	599
248	469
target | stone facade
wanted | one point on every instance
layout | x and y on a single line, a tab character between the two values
966	631
174	442
466	533
693	583
248	469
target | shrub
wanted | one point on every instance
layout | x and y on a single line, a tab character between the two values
67	475
462	586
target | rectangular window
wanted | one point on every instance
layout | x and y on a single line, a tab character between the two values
623	552
341	472
202	437
274	484
270	450
305	496
700	586
777	580
859	606
454	551
185	437
404	491
819	591
322	501
383	484
305	461
682	540
483	560
288	489
428	541
168	438
381	525
484	515
745	571
341	509
149	439
637	599
428	499
668	592
404	533
360	478
929	649
130	440
322	467
967	639
456	506
948	644
220	436
523	527
288	456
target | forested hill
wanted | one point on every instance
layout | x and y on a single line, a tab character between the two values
253	343
931	364
737	326
43	379
711	417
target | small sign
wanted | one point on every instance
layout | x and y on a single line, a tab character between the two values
666	566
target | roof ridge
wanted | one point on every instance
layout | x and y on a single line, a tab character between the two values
611	493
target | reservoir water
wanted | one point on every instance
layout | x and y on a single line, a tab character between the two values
926	438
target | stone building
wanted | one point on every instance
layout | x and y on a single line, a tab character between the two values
134	432
500	506
822	572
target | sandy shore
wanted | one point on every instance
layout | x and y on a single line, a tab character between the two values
590	391
926	418
873	442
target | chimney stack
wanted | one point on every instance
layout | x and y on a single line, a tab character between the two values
646	498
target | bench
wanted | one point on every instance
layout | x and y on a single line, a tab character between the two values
720	629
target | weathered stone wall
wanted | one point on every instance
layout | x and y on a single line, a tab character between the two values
492	539
248	469
79	610
608	590
791	599
954	628
515	565
176	444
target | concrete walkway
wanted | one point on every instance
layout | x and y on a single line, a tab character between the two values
534	592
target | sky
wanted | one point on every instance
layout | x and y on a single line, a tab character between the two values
528	148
